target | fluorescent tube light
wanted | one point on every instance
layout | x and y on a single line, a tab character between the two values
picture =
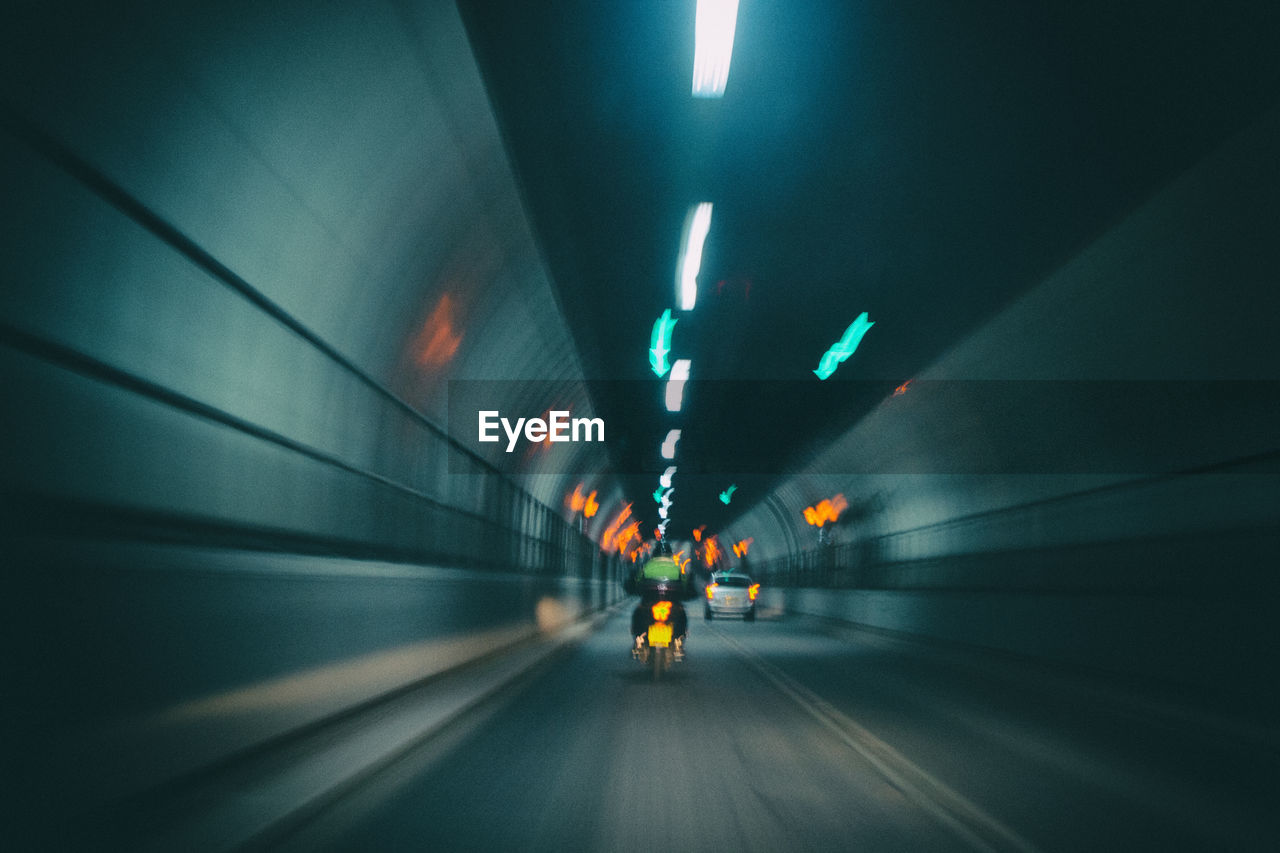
675	385
669	444
713	27
690	262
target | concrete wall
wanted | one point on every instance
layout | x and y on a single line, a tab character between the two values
246	248
1156	557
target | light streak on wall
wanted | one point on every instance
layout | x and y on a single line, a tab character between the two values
611	532
826	510
438	341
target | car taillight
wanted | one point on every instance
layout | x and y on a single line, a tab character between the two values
661	611
753	591
711	591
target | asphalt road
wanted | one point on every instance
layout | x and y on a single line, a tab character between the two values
783	735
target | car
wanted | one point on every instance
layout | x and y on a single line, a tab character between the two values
731	594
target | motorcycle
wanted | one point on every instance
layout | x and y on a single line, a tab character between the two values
658	626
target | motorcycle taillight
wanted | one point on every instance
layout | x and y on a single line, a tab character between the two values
661	611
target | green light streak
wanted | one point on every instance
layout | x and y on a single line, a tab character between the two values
660	343
843	348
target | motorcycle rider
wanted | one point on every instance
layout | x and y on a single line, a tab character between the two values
656	579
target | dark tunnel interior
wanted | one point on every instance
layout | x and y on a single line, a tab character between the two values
951	325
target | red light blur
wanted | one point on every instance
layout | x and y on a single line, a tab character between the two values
661	610
439	339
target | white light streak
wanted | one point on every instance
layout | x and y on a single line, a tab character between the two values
665	479
669	444
713	28
690	261
675	385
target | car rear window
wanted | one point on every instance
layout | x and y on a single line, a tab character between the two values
734	582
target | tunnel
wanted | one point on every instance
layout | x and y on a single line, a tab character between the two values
357	356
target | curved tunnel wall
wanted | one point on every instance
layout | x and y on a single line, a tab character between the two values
246	249
1158	558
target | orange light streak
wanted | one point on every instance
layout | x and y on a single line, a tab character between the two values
826	510
439	339
626	534
611	532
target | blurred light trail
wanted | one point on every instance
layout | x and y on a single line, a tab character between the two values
902	389
439	339
697	533
714	24
585	505
727	494
669	444
844	347
742	546
660	343
675	385
711	552
665	479
826	510
606	541
626	535
689	262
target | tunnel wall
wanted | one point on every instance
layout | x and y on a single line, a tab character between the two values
1159	561
247	247
247	256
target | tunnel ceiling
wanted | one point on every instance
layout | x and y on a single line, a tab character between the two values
922	162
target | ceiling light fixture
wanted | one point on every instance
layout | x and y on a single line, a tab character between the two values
669	444
713	27
690	261
675	385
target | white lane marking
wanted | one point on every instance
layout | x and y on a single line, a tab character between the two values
977	828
